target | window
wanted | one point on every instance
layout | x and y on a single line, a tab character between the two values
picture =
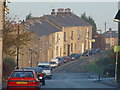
57	50
64	49
64	36
72	35
57	37
20	74
71	47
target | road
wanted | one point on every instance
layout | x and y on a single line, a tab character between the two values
70	75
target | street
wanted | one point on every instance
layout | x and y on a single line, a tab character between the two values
72	80
70	76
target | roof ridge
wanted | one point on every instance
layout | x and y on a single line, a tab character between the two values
52	22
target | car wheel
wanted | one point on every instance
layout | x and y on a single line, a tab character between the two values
43	81
50	77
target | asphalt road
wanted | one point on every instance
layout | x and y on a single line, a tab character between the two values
70	75
73	80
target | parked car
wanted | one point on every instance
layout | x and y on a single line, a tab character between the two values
60	60
87	53
54	62
65	59
46	69
74	56
98	50
23	80
39	72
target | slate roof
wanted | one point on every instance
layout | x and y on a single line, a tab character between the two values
110	34
53	23
68	20
42	27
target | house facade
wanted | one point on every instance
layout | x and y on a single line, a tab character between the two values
110	38
56	35
77	34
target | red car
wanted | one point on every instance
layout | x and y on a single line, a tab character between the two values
23	80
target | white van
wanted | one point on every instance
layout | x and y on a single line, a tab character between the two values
46	69
54	62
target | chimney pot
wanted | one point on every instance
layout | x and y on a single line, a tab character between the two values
68	11
53	12
60	11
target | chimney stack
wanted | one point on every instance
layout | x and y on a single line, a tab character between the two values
67	11
53	12
110	29
60	11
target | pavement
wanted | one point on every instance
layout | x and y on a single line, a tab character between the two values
73	80
4	85
106	81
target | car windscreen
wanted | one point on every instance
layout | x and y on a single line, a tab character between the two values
22	74
45	67
52	62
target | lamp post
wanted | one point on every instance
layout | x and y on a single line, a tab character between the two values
117	65
101	54
17	59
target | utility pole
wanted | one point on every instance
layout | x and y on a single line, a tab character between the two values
117	68
118	62
17	59
99	72
105	26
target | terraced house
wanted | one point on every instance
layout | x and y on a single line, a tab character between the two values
77	34
59	34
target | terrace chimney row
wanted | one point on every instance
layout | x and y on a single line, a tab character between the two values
61	11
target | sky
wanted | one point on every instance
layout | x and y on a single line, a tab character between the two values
101	12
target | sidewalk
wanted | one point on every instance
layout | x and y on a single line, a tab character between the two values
4	86
107	81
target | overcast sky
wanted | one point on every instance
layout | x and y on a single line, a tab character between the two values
101	11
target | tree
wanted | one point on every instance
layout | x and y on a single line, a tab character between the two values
91	21
11	38
28	16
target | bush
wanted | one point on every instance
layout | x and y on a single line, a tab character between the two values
8	66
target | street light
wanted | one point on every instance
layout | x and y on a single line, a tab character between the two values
117	65
18	47
101	53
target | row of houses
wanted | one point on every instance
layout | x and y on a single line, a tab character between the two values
56	35
106	40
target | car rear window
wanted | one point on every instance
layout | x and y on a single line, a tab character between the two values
52	62
45	67
21	74
37	69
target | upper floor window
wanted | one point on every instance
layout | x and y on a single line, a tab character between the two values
64	36
57	37
71	47
72	35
